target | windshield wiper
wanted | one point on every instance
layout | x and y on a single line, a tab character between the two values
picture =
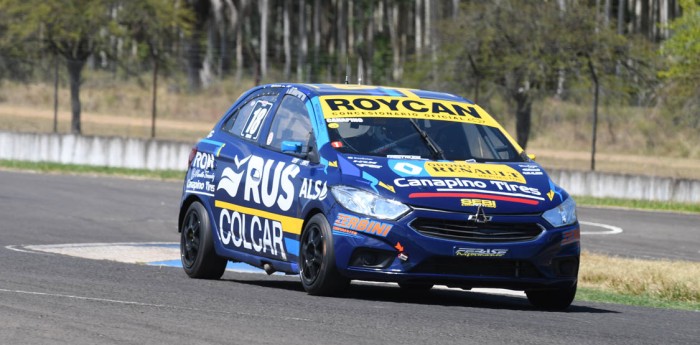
433	146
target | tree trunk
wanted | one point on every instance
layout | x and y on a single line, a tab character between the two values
303	43
238	28
621	16
264	14
342	21
523	118
317	40
287	45
646	25
55	95
75	69
419	29
194	61
393	13
370	45
194	47
155	97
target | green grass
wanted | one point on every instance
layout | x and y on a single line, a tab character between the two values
637	204
47	167
602	296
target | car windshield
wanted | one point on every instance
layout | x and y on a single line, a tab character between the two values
382	136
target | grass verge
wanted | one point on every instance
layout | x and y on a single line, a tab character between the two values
652	283
637	204
47	167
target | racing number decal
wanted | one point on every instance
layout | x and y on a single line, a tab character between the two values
255	120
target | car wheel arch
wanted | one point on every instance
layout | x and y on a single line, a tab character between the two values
183	209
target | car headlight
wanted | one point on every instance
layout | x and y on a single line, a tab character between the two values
564	214
369	204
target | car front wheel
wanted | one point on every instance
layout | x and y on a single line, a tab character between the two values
318	272
558	299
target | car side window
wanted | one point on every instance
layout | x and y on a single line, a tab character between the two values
247	121
291	123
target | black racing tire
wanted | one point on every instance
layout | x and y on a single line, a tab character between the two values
557	299
199	260
416	287
317	268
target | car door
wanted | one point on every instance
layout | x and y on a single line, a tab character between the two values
297	179
245	224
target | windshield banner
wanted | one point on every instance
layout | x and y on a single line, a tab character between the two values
403	107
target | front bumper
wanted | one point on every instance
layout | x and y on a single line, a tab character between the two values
403	254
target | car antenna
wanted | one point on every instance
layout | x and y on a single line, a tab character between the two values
347	71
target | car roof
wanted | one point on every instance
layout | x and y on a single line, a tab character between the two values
313	90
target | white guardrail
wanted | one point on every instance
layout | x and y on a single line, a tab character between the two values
162	155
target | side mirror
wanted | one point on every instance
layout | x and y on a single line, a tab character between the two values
532	156
293	147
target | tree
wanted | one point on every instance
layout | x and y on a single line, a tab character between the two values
153	24
500	43
682	50
72	29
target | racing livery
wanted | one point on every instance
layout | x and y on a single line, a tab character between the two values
342	182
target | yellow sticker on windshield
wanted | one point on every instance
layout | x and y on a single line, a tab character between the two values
403	107
481	171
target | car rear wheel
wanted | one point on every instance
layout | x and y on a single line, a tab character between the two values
558	299
318	272
197	246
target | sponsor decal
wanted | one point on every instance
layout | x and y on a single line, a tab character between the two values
201	175
550	195
343	120
313	189
404	157
296	93
364	225
570	236
493	172
406	168
255	230
480	252
203	160
405	107
344	231
364	162
266	182
474	170
479	202
530	169
333	125
464	188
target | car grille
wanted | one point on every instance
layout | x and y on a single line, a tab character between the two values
478	267
470	231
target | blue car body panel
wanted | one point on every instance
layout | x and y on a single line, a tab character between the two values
258	200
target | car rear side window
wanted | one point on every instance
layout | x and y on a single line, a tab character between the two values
247	121
291	123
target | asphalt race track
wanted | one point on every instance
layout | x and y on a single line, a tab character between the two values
50	298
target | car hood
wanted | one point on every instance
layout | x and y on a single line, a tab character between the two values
501	188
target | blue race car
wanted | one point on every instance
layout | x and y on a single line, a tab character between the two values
343	182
